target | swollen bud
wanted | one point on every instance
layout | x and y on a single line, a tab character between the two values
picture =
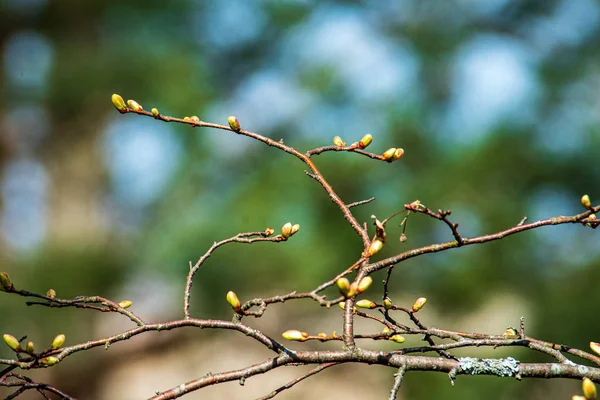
338	141
365	141
58	341
119	103
269	231
398	154
366	304
134	105
233	301
51	293
155	112
353	290
577	397
234	124
418	304
589	389
295	228
585	201
295	335
364	284
595	347
375	246
397	338
403	238
287	230
510	333
389	154
12	342
195	119
344	285
125	304
5	282
322	335
49	361
29	348
387	303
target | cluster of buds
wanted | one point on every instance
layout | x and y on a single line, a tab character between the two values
349	290
295	335
288	230
586	202
589	391
234	302
392	154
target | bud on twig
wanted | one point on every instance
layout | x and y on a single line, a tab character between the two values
234	124
30	348
387	303
233	301
269	231
344	286
338	141
125	304
375	246
418	304
288	230
365	141
51	293
119	103
5	282
398	154
49	361
397	338
134	105
366	304
589	389
12	342
353	290
364	284
576	397
155	112
388	155
595	347
295	335
585	201
58	341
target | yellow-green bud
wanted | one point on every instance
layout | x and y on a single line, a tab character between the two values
398	154
338	141
375	246
269	231
343	306
119	103
233	301
125	304
5	282
286	230
58	341
591	217
12	342
510	333
234	124
344	285
364	284
295	228
577	397
294	335
388	155
589	389
51	293
585	201
386	330
134	105
30	348
595	347
387	303
49	361
366	304
365	141
195	118
353	290
322	335
397	338
418	304
187	119
155	112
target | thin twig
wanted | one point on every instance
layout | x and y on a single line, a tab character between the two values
397	382
297	380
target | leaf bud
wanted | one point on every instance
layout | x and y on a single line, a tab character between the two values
338	141
195	119
387	303
397	338
5	282
234	124
375	246
510	333
294	335
388	155
51	293
269	231
12	342
155	112
58	341
364	284
585	201
29	348
403	238
125	304
233	301
386	330
418	304
589	389
187	119
49	361
365	141
353	290
398	154
595	347
295	228
366	304
322	335
577	397
344	285
119	103
286	230
134	105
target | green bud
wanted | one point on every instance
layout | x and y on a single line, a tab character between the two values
125	304
58	341
286	230
585	201
389	154
51	293
595	347
338	141
365	141
134	105
269	231
397	338
387	303
12	342
295	335
398	154
364	284
589	389
234	124
366	304
418	304
49	361
5	282
155	112
30	348
375	246
119	103
233	301
344	285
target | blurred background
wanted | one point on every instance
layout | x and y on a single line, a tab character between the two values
496	104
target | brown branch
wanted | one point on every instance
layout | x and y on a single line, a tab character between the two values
29	384
297	380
